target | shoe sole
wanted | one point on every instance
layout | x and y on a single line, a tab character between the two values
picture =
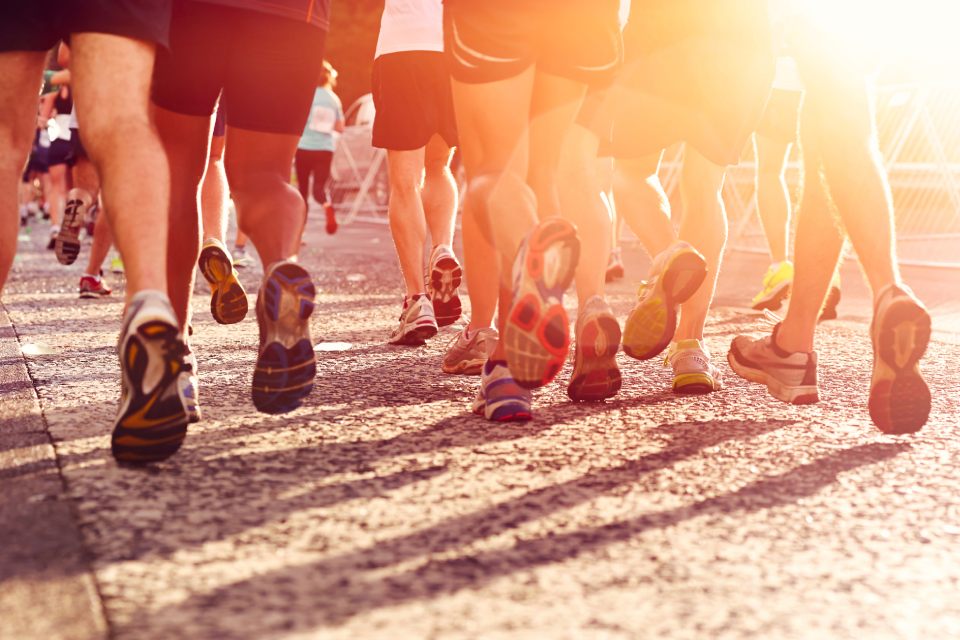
694	384
465	368
595	373
445	278
67	242
652	323
228	300
830	306
416	337
899	396
537	333
502	414
286	366
90	295
773	300
799	394
153	425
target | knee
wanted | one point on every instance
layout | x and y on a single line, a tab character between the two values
405	186
104	132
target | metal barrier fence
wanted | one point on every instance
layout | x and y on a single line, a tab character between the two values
919	129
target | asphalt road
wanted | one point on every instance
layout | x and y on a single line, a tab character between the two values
384	509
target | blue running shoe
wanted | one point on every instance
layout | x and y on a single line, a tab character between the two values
500	398
287	365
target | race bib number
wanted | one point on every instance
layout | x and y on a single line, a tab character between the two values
322	119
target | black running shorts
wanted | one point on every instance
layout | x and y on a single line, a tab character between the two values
411	91
493	40
61	152
695	71
265	66
37	25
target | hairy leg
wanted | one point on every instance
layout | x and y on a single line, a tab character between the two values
111	78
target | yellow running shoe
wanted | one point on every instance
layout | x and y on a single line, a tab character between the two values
776	286
676	275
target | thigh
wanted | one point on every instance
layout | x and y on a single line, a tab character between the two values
111	77
188	77
20	79
272	72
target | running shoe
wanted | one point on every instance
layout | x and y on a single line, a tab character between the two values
228	300
790	377
829	311
615	269
595	372
776	286
241	259
537	332
67	245
93	287
286	364
675	276
189	385
331	218
692	370
116	264
52	243
500	398
900	331
152	420
417	322
443	285
467	353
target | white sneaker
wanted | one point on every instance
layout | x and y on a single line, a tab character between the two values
692	370
417	322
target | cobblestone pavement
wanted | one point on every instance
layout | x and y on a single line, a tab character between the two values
383	508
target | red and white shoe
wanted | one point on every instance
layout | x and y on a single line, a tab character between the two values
93	287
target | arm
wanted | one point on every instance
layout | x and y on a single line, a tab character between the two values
60	77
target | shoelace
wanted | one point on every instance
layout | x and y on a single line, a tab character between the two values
770	318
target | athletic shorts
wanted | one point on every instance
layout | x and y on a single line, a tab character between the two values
60	152
37	25
494	40
412	95
695	71
79	152
265	66
781	116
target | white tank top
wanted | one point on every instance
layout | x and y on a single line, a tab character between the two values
410	25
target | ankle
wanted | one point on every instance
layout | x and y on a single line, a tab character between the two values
787	340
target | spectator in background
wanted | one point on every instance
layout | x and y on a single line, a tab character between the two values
315	150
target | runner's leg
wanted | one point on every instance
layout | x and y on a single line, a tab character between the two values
186	140
124	146
213	193
704	226
20	74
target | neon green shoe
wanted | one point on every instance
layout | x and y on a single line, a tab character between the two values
692	370
776	287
